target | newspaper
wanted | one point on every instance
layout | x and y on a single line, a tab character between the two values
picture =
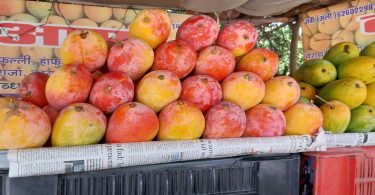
350	140
60	160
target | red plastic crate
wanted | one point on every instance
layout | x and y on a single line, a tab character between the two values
339	171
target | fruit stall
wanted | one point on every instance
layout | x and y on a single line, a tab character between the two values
187	97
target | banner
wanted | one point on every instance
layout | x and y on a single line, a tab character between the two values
32	32
349	21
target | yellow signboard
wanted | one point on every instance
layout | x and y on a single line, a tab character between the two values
349	21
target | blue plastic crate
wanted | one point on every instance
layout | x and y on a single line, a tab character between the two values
268	175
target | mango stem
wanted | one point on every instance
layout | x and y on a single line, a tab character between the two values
325	101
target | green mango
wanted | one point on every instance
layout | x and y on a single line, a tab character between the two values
362	67
369	50
350	91
341	52
317	72
362	119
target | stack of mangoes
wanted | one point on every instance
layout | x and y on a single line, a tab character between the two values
343	85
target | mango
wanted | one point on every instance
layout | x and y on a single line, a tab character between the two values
303	118
336	116
78	124
341	52
362	67
362	119
370	100
317	72
281	92
369	50
307	90
350	91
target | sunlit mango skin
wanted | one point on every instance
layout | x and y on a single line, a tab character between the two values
243	88
201	90
133	57
362	67
303	118
199	31
336	116
78	124
85	47
260	61
69	84
224	120
152	26
23	125
132	122
282	92
157	89
180	120
238	37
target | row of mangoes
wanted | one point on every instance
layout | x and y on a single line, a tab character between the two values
344	83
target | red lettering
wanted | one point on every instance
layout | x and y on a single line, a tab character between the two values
50	34
22	33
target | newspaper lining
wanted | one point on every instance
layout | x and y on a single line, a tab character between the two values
61	160
350	140
46	161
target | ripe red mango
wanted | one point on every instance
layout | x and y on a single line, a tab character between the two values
260	61
238	37
111	91
133	57
176	56
264	120
69	84
216	62
201	90
224	120
199	31
132	122
32	89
